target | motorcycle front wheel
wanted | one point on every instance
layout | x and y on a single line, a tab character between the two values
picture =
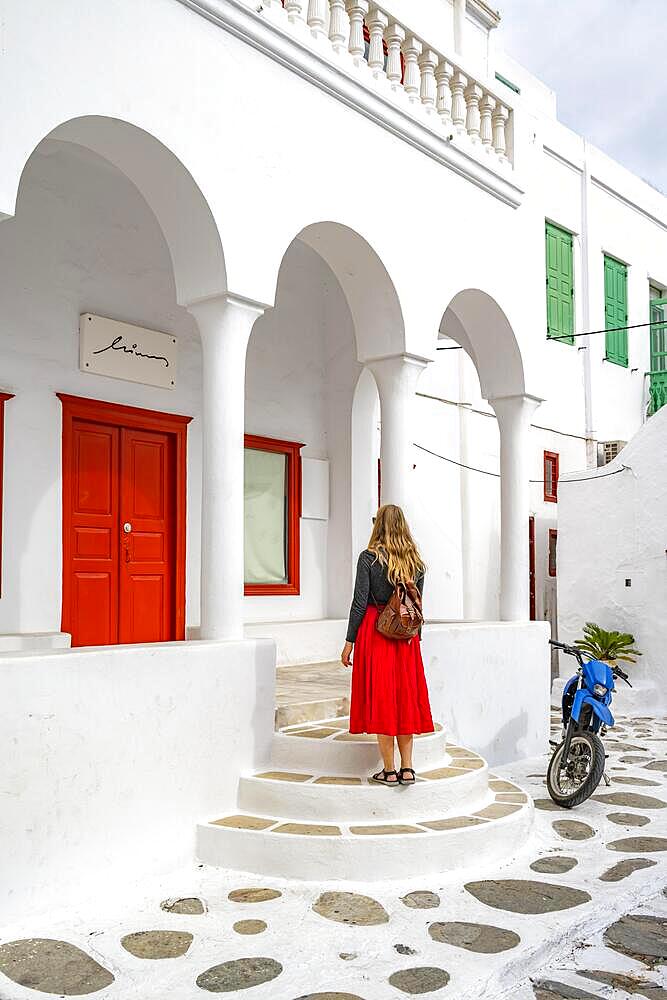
573	781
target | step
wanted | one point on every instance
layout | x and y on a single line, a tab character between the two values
311	711
277	846
456	783
327	747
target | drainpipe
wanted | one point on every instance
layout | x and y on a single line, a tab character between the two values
459	25
591	445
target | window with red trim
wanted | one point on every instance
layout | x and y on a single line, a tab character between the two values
553	545
550	476
272	516
4	396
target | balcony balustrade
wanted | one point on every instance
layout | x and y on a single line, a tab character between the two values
428	81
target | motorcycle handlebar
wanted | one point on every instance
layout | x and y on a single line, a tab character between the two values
574	651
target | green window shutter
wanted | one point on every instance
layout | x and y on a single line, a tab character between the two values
560	284
616	310
658	376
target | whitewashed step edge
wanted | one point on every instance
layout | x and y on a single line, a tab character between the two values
368	858
311	802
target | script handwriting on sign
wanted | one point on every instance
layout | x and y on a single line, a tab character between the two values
118	345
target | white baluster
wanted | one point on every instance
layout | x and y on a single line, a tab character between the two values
294	10
317	16
337	23
459	84
376	23
499	118
428	61
412	49
357	10
443	78
394	36
473	96
486	109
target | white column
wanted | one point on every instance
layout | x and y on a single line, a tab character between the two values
396	379
443	77
357	11
376	23
337	23
459	26
317	16
473	96
486	107
412	49
499	119
294	10
428	61
459	109
394	36
514	413
224	324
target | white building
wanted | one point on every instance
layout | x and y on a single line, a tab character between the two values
307	201
614	557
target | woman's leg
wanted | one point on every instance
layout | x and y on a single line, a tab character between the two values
386	745
405	745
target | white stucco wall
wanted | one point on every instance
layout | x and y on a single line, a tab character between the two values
113	755
489	684
613	528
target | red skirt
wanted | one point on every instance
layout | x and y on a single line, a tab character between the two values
389	693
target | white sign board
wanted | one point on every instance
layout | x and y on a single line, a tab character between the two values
121	350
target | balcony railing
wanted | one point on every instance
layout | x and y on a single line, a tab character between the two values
410	67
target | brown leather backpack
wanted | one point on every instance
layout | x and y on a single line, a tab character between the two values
401	617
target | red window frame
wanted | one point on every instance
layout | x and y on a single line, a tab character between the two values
4	396
292	449
552	550
551	461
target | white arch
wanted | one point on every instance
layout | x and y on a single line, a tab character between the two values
367	286
178	204
475	321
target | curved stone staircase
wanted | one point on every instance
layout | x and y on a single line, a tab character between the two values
317	816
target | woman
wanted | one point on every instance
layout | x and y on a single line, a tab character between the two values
389	694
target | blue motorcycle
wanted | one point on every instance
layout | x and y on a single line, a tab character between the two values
577	764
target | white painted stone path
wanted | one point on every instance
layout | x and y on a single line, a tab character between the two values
309	946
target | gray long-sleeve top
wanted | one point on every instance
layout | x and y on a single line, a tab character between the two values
372	586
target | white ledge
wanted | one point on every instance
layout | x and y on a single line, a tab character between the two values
297	55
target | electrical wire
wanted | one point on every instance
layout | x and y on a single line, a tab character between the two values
589	333
496	475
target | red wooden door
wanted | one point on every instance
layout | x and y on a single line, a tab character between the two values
531	566
146	578
93	534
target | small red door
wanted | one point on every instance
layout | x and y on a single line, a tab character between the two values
123	524
531	566
146	516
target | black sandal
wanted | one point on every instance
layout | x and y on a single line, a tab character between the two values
411	780
384	780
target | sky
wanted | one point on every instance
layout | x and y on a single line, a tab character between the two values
607	62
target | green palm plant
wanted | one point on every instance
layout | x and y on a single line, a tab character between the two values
603	645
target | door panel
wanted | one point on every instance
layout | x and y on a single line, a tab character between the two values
93	530
146	505
531	566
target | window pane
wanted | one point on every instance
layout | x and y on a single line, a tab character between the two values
265	516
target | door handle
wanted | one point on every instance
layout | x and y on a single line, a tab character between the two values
127	527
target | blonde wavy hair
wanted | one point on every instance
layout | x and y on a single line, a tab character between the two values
393	546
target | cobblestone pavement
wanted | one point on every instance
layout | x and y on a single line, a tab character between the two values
579	912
